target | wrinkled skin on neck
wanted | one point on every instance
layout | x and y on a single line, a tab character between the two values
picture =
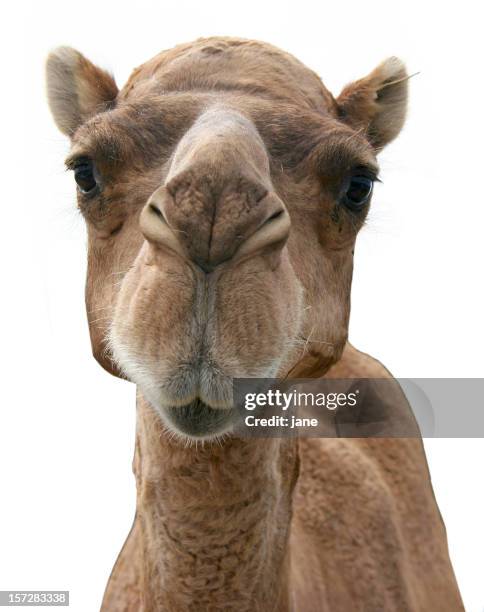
213	521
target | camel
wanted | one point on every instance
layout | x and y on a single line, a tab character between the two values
223	188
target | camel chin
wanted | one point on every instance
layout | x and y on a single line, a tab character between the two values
197	421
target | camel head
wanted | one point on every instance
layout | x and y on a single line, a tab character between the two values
223	189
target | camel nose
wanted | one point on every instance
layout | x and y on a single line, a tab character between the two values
211	221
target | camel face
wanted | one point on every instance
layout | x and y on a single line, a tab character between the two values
223	189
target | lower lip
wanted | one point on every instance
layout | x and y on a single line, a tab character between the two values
197	420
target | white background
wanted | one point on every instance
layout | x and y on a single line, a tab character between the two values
67	428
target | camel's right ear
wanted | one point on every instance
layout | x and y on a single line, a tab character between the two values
76	88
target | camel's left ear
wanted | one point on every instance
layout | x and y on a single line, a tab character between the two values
378	102
76	88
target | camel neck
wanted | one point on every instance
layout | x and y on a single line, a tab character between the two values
214	520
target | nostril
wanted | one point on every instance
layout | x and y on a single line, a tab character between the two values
275	216
157	231
157	212
270	236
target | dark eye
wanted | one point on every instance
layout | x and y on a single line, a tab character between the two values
85	175
358	192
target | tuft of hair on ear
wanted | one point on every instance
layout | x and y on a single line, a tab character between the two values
377	103
76	88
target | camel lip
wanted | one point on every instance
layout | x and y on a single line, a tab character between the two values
198	420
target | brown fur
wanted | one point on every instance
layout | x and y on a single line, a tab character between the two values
199	148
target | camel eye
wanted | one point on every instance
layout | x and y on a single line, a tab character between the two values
358	192
84	175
